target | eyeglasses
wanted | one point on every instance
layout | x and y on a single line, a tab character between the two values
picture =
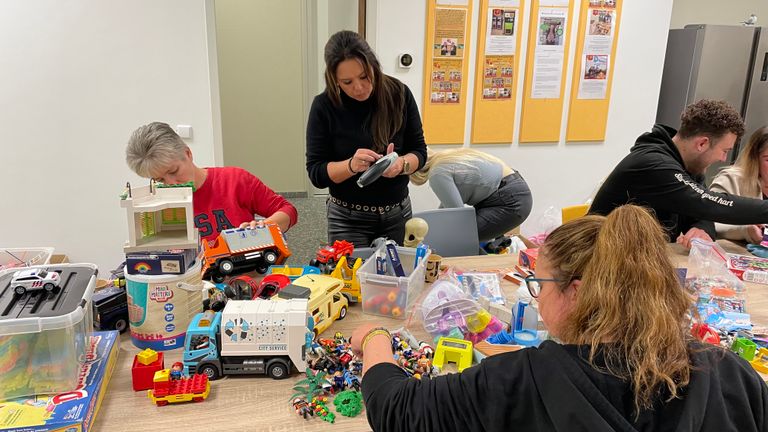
534	285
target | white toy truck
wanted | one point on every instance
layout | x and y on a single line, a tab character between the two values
248	337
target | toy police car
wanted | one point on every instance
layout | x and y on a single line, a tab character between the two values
35	279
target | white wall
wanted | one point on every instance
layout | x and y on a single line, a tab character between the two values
732	12
558	174
76	78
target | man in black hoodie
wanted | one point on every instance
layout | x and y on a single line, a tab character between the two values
665	172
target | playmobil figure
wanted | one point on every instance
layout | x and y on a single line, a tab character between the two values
224	197
362	116
177	371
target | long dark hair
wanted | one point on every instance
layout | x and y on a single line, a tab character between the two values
388	93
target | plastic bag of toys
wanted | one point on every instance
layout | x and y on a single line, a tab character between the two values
709	279
449	311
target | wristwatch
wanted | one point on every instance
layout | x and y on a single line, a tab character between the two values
406	167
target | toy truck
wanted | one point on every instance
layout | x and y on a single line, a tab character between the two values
326	303
166	390
248	337
343	272
241	250
328	255
110	309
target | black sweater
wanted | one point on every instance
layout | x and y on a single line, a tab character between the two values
335	133
654	175
552	388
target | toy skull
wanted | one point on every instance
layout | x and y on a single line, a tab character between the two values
415	231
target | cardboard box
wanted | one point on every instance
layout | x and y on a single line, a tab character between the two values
749	268
161	262
73	411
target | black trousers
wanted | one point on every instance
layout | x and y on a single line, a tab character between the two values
505	209
362	227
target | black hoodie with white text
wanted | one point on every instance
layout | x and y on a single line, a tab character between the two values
654	175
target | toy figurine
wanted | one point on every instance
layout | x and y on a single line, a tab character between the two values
177	371
338	380
302	408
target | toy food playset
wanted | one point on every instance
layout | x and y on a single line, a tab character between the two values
43	334
74	410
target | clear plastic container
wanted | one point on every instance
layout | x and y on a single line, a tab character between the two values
43	335
388	295
24	257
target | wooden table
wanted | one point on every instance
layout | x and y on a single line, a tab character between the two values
259	403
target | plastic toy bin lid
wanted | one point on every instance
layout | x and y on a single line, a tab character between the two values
16	258
38	311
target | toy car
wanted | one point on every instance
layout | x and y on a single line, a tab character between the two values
328	255
34	280
110	309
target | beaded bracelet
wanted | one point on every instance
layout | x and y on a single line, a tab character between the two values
374	332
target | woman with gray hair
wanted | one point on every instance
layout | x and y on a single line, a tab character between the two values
224	197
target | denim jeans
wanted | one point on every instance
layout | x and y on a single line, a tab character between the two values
505	209
362	227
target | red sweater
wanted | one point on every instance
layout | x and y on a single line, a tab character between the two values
230	196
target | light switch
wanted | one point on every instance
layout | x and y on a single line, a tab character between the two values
184	131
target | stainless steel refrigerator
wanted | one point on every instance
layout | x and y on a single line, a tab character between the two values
729	63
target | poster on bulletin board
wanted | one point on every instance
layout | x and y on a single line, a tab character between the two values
596	49
496	72
545	72
447	43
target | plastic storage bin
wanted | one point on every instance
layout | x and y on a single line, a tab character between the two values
24	257
388	295
43	335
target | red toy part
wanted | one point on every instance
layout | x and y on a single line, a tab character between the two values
705	333
143	374
331	254
270	285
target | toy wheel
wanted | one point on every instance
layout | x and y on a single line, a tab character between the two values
229	291
20	290
48	287
277	370
226	266
329	263
270	257
262	269
343	313
314	263
121	325
210	371
217	277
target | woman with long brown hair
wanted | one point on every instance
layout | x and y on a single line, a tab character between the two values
361	116
748	177
621	357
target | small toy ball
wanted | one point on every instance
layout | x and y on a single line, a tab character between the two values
392	296
396	312
384	309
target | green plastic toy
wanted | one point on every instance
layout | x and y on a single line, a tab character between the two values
349	403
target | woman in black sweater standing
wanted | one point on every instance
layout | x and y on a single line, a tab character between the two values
361	116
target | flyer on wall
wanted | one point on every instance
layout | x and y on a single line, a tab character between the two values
549	53
599	34
497	77
446	81
593	81
500	34
450	25
453	2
